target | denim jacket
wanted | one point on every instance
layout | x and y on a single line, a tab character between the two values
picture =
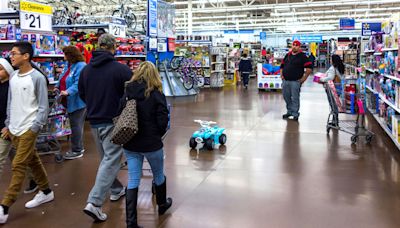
73	99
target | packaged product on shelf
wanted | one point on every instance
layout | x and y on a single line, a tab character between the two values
396	127
62	41
388	118
58	68
390	63
47	44
3	32
18	35
10	32
48	69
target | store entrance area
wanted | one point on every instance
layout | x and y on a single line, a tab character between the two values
271	172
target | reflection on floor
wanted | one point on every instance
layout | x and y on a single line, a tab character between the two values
271	173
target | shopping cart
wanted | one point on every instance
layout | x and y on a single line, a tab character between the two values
356	128
57	126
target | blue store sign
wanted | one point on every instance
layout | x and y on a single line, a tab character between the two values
152	17
263	36
347	24
308	38
238	31
369	27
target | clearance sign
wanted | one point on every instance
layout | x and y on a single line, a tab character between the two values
35	16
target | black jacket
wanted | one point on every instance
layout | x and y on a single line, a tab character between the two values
101	87
152	118
245	65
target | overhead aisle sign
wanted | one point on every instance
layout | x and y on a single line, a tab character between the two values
35	16
368	28
347	23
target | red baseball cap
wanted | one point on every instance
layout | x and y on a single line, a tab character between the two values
296	42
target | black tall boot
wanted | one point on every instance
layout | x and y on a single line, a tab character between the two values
130	208
161	196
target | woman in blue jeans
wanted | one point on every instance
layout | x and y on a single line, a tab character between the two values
76	108
151	105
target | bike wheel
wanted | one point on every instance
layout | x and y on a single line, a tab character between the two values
175	62
187	82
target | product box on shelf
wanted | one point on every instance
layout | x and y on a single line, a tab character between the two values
58	68
62	41
46	44
396	127
390	63
48	69
3	32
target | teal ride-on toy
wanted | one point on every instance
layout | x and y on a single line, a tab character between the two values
208	135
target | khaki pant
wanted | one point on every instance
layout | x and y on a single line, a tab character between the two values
25	156
5	146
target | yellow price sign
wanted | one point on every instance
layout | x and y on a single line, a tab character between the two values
35	7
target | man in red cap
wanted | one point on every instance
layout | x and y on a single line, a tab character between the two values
295	69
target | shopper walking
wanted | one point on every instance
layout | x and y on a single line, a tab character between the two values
245	68
6	70
76	108
27	112
101	86
295	69
146	88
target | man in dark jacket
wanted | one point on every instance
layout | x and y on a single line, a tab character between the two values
295	69
245	68
101	87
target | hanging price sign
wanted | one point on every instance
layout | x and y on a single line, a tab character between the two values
36	17
118	27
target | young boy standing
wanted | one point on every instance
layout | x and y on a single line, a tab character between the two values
27	112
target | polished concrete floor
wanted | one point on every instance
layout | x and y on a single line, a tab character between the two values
271	173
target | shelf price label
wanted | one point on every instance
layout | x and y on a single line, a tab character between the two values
35	16
117	30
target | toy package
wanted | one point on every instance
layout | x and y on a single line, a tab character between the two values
62	41
3	32
338	102
48	69
47	44
58	68
390	63
59	126
396	127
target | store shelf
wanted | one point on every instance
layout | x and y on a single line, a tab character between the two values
193	41
390	49
49	56
391	77
372	70
369	51
385	128
7	41
130	56
381	97
217	71
378	53
88	26
217	63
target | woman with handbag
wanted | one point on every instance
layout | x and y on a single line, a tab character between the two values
335	72
76	108
152	112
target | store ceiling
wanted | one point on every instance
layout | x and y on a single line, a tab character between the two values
270	15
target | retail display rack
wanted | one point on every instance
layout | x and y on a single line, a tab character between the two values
380	66
218	65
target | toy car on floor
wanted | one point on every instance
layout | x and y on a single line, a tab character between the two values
208	135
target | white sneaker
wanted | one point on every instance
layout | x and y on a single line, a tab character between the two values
3	217
95	213
115	197
40	198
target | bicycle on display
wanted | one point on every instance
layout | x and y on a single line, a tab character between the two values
190	70
126	13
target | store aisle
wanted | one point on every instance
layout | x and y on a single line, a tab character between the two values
271	173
